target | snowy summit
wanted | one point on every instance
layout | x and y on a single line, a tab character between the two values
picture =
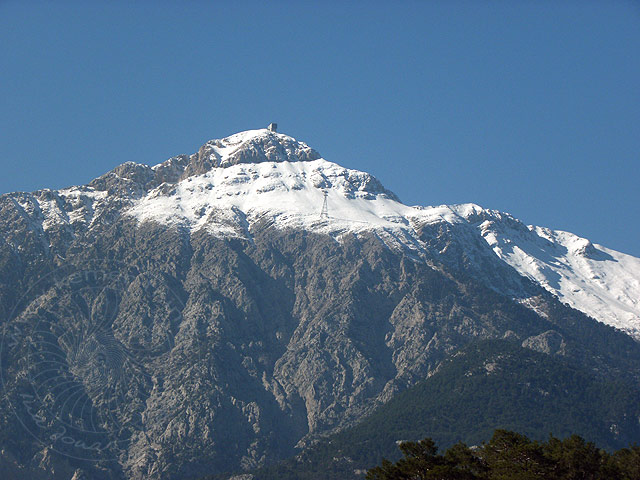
260	177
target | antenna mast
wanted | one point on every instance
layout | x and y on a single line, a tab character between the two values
325	209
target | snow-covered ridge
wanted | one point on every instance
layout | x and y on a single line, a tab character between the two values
47	209
603	283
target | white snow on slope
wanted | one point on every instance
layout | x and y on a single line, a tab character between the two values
47	209
291	193
603	283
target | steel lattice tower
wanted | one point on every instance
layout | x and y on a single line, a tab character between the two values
325	209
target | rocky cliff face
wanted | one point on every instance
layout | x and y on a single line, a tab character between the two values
199	316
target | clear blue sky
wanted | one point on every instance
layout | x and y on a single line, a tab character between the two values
530	107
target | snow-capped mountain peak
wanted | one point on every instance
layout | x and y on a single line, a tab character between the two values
232	185
255	146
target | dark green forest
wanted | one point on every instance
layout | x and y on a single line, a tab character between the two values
493	384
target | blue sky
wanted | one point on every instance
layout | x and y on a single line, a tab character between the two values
530	107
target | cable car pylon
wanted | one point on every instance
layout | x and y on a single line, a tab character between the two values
324	213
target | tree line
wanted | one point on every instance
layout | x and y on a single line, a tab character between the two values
511	456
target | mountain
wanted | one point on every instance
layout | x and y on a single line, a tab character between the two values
212	313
